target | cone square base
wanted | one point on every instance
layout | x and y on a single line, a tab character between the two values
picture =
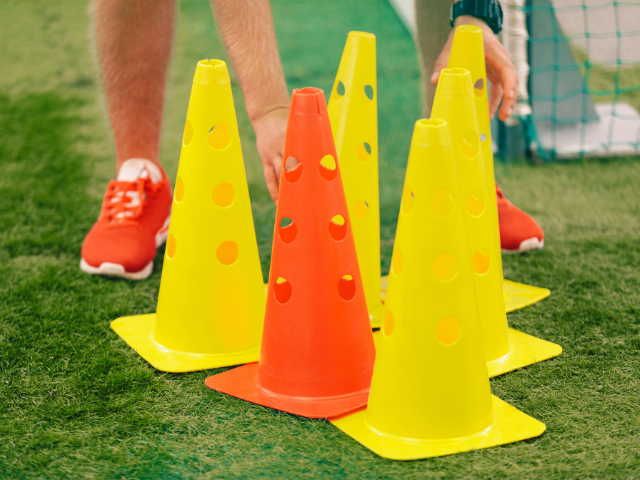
241	383
519	295
509	425
525	350
137	331
516	295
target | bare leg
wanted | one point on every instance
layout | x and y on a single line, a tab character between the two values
134	39
433	28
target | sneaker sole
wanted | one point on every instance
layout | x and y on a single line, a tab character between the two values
526	245
117	270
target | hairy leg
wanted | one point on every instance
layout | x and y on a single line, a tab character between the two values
134	40
433	28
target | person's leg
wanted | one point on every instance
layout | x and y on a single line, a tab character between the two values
134	40
432	31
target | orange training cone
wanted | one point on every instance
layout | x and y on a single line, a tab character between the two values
317	348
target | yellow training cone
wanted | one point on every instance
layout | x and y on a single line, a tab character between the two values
504	349
468	52
430	393
353	111
212	300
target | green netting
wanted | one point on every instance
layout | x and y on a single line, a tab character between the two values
584	82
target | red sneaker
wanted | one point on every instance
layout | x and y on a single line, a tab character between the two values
133	222
519	232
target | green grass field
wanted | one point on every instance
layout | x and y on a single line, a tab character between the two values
76	401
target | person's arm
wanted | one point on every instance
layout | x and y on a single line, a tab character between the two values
500	70
246	27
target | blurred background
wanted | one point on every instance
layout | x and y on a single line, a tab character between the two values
579	70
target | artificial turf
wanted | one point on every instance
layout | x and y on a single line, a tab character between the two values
76	401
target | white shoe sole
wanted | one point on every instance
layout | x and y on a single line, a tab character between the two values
117	270
526	245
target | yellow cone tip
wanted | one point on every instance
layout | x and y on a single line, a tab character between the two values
455	81
362	35
211	72
431	132
469	29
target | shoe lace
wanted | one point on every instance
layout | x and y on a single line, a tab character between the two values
124	201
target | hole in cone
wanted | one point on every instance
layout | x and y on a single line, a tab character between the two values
227	252
327	167
397	262
340	90
481	262
188	134
470	145
292	170
288	230
442	203
366	94
178	194
291	164
445	267
448	330
282	290
478	87
171	246
361	209
483	137
475	203
285	222
407	201
223	195
347	288
363	151
219	136
389	323
338	227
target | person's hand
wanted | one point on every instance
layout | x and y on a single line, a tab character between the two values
500	70
270	134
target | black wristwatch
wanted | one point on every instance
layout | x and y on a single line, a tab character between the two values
489	11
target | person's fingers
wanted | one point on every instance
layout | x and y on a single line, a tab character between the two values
494	99
502	73
277	167
271	179
443	59
509	81
441	63
291	164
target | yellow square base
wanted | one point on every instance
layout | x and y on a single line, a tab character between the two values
525	350
137	331
516	295
509	425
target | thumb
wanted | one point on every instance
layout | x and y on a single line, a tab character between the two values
442	61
